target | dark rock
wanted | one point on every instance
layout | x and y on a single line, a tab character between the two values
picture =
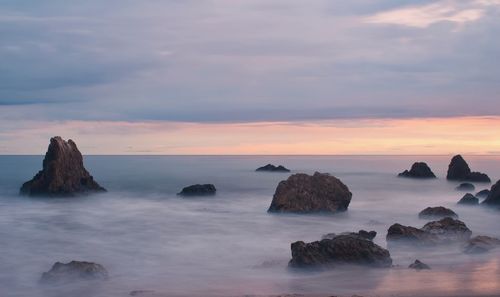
198	190
438	212
342	249
142	293
272	168
468	199
481	244
74	271
493	198
448	230
63	173
418	170
459	170
400	234
465	187
483	194
418	265
302	193
370	235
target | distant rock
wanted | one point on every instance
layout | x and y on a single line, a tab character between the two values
418	265
302	193
370	235
198	190
483	194
468	199
481	244
459	170
63	173
438	212
342	249
465	187
74	271
272	168
418	170
493	198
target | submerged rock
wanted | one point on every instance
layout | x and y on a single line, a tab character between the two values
418	170
370	235
481	244
438	212
398	233
493	198
418	265
272	168
448	230
483	194
468	199
63	173
302	193
459	170
342	249
465	187
198	190
74	271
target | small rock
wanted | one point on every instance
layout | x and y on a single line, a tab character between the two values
418	170
493	198
481	244
272	168
74	271
465	187
468	199
198	190
417	265
370	235
483	194
437	213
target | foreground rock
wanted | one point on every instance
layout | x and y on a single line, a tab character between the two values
459	170
418	265
468	199
483	194
493	198
465	187
302	193
63	173
272	168
438	212
444	231
418	170
370	235
342	249
74	271
481	244
198	190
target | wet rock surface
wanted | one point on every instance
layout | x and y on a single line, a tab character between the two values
418	170
459	170
74	271
468	199
273	168
198	190
418	265
302	193
481	244
438	212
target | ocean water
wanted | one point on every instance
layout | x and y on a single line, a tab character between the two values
150	239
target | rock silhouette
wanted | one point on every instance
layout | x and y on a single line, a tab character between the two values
198	190
418	170
459	170
438	212
418	265
493	198
272	168
74	271
483	194
468	199
465	187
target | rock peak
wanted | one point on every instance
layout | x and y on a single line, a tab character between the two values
459	170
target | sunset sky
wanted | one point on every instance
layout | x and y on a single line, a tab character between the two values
251	77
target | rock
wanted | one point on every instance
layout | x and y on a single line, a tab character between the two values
483	194
74	271
63	173
400	234
272	168
417	265
459	170
198	190
302	193
465	187
418	170
468	199
438	212
342	249
493	198
370	235
481	244
448	230
142	293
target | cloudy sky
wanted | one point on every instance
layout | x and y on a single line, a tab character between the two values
256	76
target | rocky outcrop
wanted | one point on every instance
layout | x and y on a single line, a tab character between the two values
418	265
459	170
465	187
444	231
63	173
468	199
272	168
370	235
198	190
74	271
493	198
483	194
438	212
481	244
418	170
342	249
302	193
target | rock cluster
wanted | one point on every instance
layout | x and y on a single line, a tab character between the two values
418	170
493	198
459	170
63	173
468	199
74	271
198	190
273	168
438	212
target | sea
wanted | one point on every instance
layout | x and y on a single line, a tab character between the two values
149	238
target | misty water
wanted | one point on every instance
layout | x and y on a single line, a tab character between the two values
148	238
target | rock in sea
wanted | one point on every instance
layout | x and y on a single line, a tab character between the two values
481	244
418	265
198	190
63	173
74	271
465	187
302	193
370	235
483	194
438	212
468	199
459	170
272	168
418	170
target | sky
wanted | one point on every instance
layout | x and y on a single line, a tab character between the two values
251	77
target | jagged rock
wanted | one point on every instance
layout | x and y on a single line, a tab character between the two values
272	168
418	170
459	170
438	212
418	265
468	199
302	193
481	244
342	249
465	187
493	198
483	194
198	190
370	235
63	173
74	271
